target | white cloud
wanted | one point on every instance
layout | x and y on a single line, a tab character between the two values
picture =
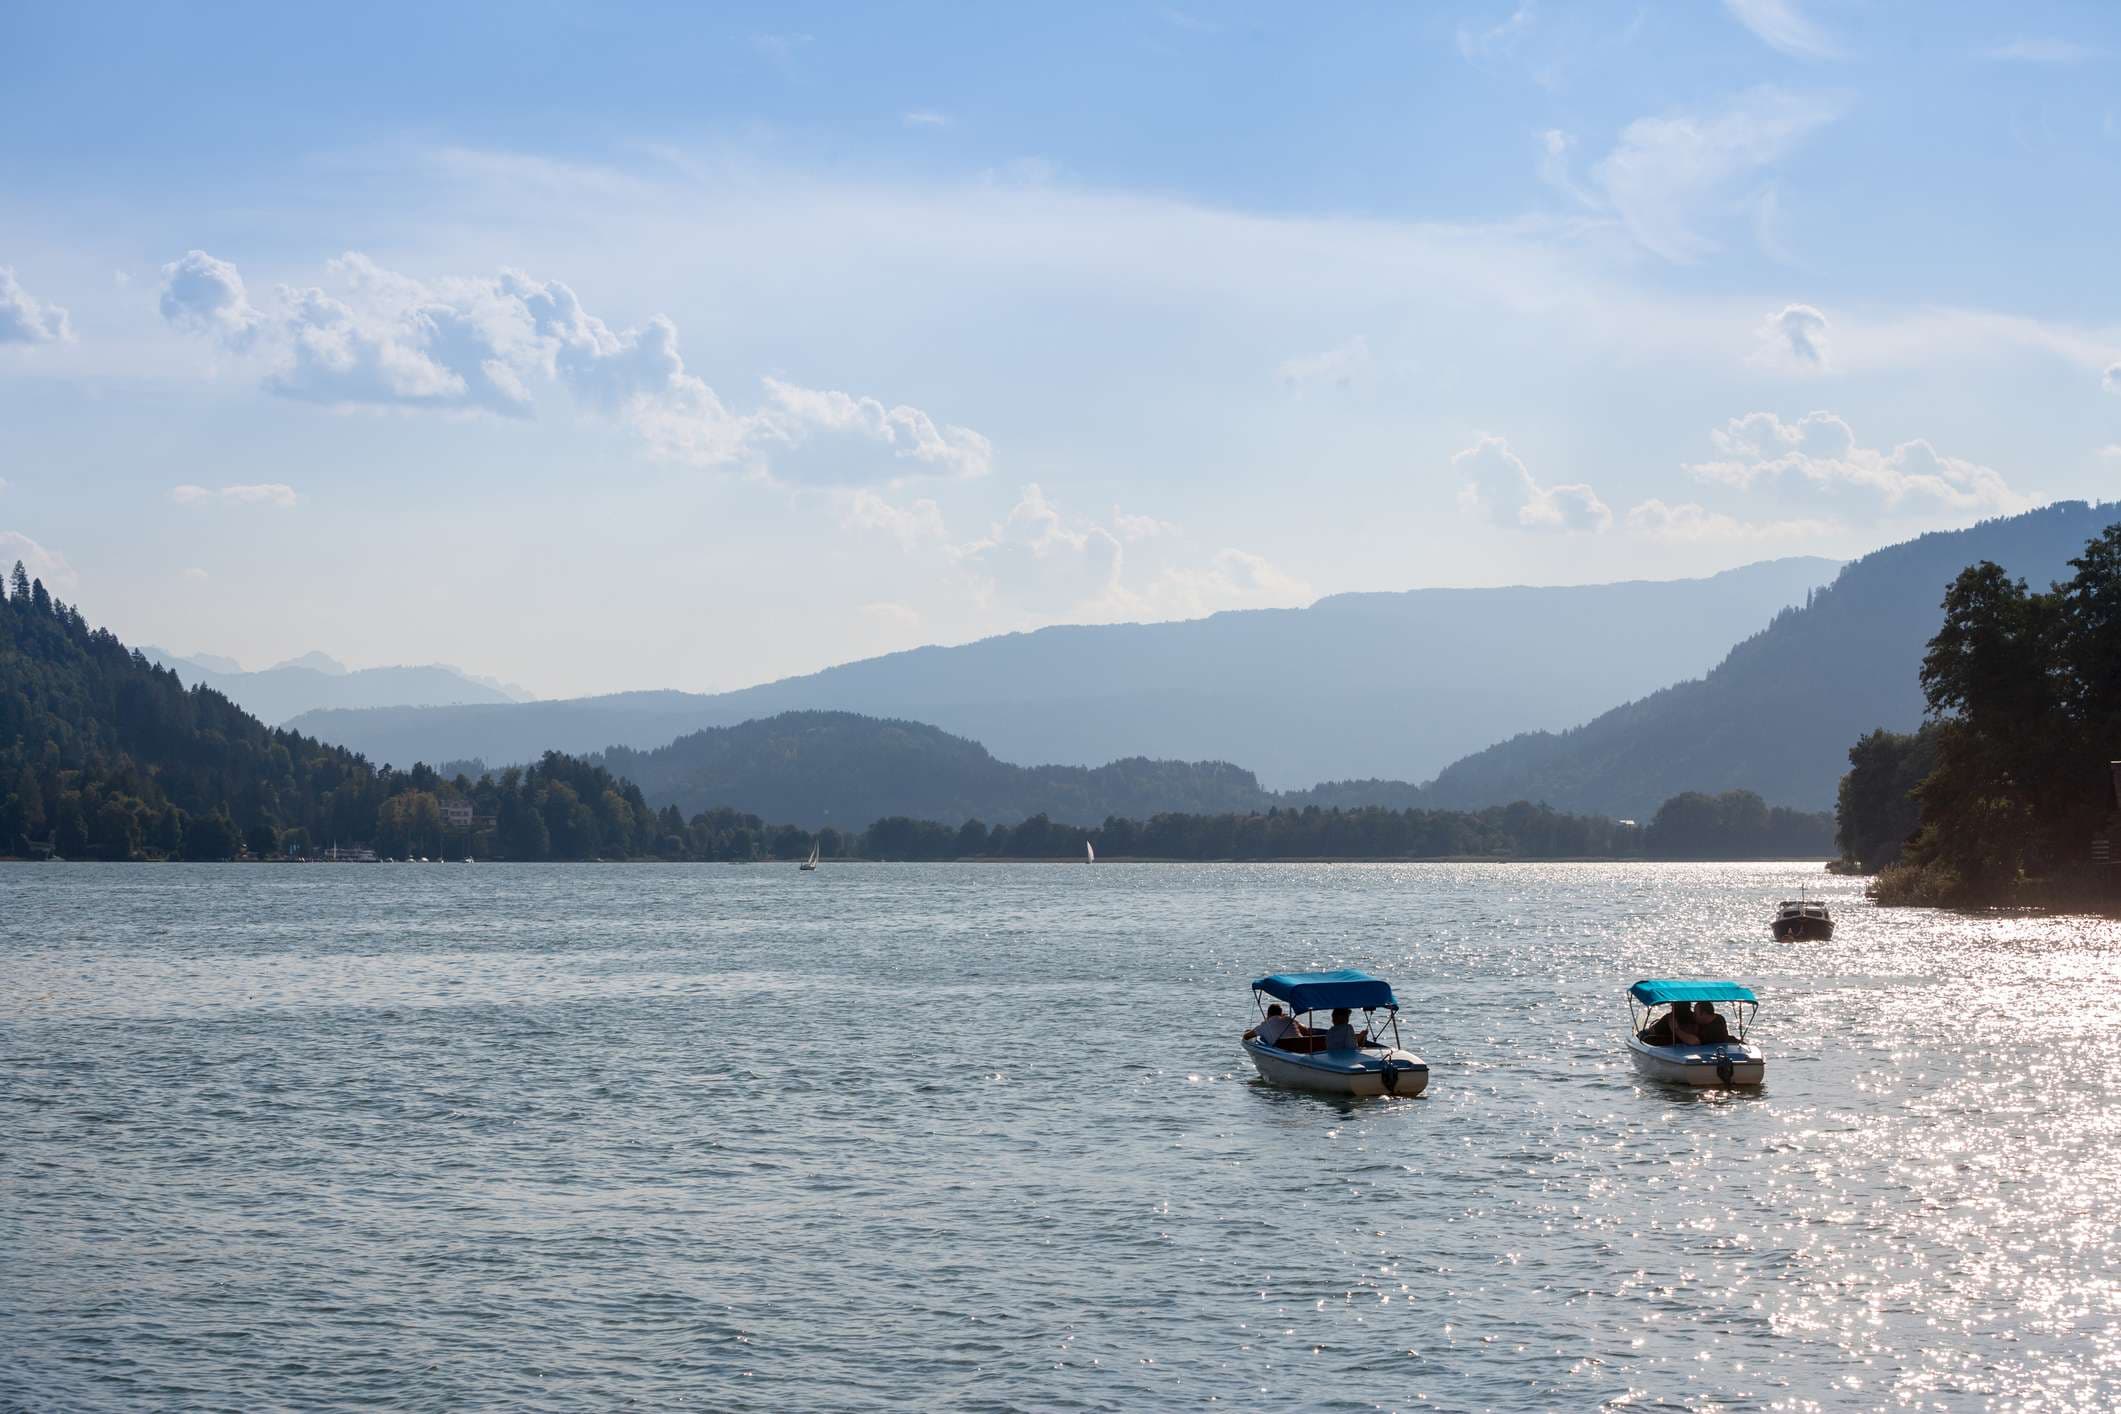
1342	367
1499	38
1039	562
1669	175
1555	149
925	118
1692	521
474	345
1132	527
1231	579
794	416
1795	337
1496	481
913	526
1819	454
202	295
2111	449
398	342
1040	559
25	319
890	614
41	563
194	575
271	493
268	493
1781	25
2111	379
2043	51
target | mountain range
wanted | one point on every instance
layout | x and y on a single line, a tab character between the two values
1778	715
1392	685
316	681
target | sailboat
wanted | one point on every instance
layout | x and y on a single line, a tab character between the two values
1089	852
809	866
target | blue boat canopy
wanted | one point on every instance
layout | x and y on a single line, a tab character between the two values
1323	991
1651	991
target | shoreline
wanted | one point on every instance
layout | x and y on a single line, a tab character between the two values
1006	859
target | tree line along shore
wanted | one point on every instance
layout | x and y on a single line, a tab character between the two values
105	755
2004	796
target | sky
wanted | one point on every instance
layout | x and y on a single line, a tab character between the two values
599	347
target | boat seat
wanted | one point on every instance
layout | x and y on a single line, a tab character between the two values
1314	1045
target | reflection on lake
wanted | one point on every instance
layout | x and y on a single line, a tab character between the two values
981	1135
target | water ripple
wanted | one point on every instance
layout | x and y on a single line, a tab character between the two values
979	1137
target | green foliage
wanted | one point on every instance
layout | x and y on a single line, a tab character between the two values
1917	885
1876	812
1734	825
817	767
2022	693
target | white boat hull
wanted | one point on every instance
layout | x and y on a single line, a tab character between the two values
1400	1073
1699	1065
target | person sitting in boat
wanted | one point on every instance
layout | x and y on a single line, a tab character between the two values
1342	1036
1674	1028
1715	1031
1278	1027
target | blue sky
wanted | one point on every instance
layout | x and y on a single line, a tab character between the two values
600	347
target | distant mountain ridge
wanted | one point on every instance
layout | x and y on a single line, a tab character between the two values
1390	685
837	768
315	682
1779	714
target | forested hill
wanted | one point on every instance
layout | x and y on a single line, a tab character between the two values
1385	684
837	768
105	755
1778	714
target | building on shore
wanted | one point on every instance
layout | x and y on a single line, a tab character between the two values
348	854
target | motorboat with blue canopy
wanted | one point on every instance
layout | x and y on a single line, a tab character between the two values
1341	1058
1693	1032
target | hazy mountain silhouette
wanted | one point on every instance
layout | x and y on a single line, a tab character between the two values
1391	685
1779	714
315	681
838	768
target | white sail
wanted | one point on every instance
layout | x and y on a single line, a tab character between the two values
1090	851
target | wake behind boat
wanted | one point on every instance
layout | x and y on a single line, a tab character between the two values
1340	1059
1691	1042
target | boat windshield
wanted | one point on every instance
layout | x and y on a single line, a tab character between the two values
1684	1023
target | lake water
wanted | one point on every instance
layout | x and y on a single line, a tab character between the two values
981	1136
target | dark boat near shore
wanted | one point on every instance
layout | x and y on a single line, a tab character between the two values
1802	921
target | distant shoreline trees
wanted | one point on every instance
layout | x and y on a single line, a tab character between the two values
106	756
